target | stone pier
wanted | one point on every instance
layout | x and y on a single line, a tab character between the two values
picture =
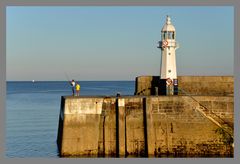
141	126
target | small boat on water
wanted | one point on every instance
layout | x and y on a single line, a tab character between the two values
33	81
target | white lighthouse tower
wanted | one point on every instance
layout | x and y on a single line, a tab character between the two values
168	46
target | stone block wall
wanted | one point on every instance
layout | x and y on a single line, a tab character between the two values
134	128
206	85
192	85
143	126
176	127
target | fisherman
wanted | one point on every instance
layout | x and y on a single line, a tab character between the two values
73	86
77	89
118	94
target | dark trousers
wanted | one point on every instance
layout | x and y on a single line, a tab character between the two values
73	91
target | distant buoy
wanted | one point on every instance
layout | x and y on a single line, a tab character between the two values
33	81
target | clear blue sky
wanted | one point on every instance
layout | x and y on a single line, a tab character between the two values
115	43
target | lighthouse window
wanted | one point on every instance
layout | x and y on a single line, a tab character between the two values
169	35
173	35
169	71
165	35
169	53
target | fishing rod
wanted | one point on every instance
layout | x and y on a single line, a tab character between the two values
67	77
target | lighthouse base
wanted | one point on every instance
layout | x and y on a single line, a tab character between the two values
167	89
153	85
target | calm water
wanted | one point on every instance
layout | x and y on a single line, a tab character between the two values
32	111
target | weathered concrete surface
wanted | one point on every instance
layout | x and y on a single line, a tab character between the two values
80	134
144	126
207	85
144	85
193	85
134	130
175	126
107	128
87	127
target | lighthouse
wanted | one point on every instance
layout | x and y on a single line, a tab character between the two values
168	46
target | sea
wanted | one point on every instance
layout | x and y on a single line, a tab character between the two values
32	112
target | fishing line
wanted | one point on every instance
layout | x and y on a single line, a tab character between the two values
46	91
67	76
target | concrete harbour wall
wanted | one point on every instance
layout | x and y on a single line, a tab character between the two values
144	126
192	85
